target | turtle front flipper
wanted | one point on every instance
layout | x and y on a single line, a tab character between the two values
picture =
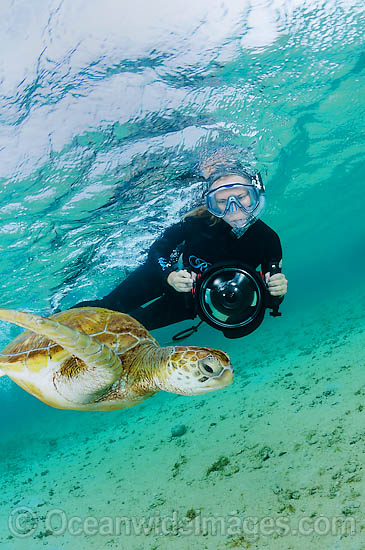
93	368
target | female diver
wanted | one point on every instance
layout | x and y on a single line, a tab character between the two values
226	228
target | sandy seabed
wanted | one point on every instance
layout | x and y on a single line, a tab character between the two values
275	461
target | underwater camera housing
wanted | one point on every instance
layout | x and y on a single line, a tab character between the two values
233	297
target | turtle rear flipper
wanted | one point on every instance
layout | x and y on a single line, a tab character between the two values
91	370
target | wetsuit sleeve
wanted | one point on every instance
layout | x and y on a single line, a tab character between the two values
272	253
272	250
161	250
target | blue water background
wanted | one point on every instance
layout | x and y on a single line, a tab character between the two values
106	110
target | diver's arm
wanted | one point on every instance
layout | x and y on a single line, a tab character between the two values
161	250
148	280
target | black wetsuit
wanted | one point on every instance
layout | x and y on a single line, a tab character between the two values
201	245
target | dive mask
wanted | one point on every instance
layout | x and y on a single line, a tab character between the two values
248	197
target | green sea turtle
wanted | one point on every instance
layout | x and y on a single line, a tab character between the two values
97	359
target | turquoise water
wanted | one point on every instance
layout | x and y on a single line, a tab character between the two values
106	111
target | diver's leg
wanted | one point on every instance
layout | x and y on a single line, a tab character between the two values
170	308
141	286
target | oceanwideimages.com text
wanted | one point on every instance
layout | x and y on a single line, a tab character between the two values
24	522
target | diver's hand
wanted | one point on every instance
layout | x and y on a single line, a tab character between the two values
277	284
182	280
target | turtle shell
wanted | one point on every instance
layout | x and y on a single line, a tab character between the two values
118	330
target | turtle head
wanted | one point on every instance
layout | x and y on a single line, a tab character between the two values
193	370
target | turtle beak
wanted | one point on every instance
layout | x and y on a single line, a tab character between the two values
227	376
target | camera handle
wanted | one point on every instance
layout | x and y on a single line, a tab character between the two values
275	300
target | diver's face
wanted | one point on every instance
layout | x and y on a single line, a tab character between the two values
237	217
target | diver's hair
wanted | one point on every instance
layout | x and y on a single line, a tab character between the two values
203	212
223	171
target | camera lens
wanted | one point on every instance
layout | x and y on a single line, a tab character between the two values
231	297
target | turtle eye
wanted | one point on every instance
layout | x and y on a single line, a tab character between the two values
210	367
207	367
